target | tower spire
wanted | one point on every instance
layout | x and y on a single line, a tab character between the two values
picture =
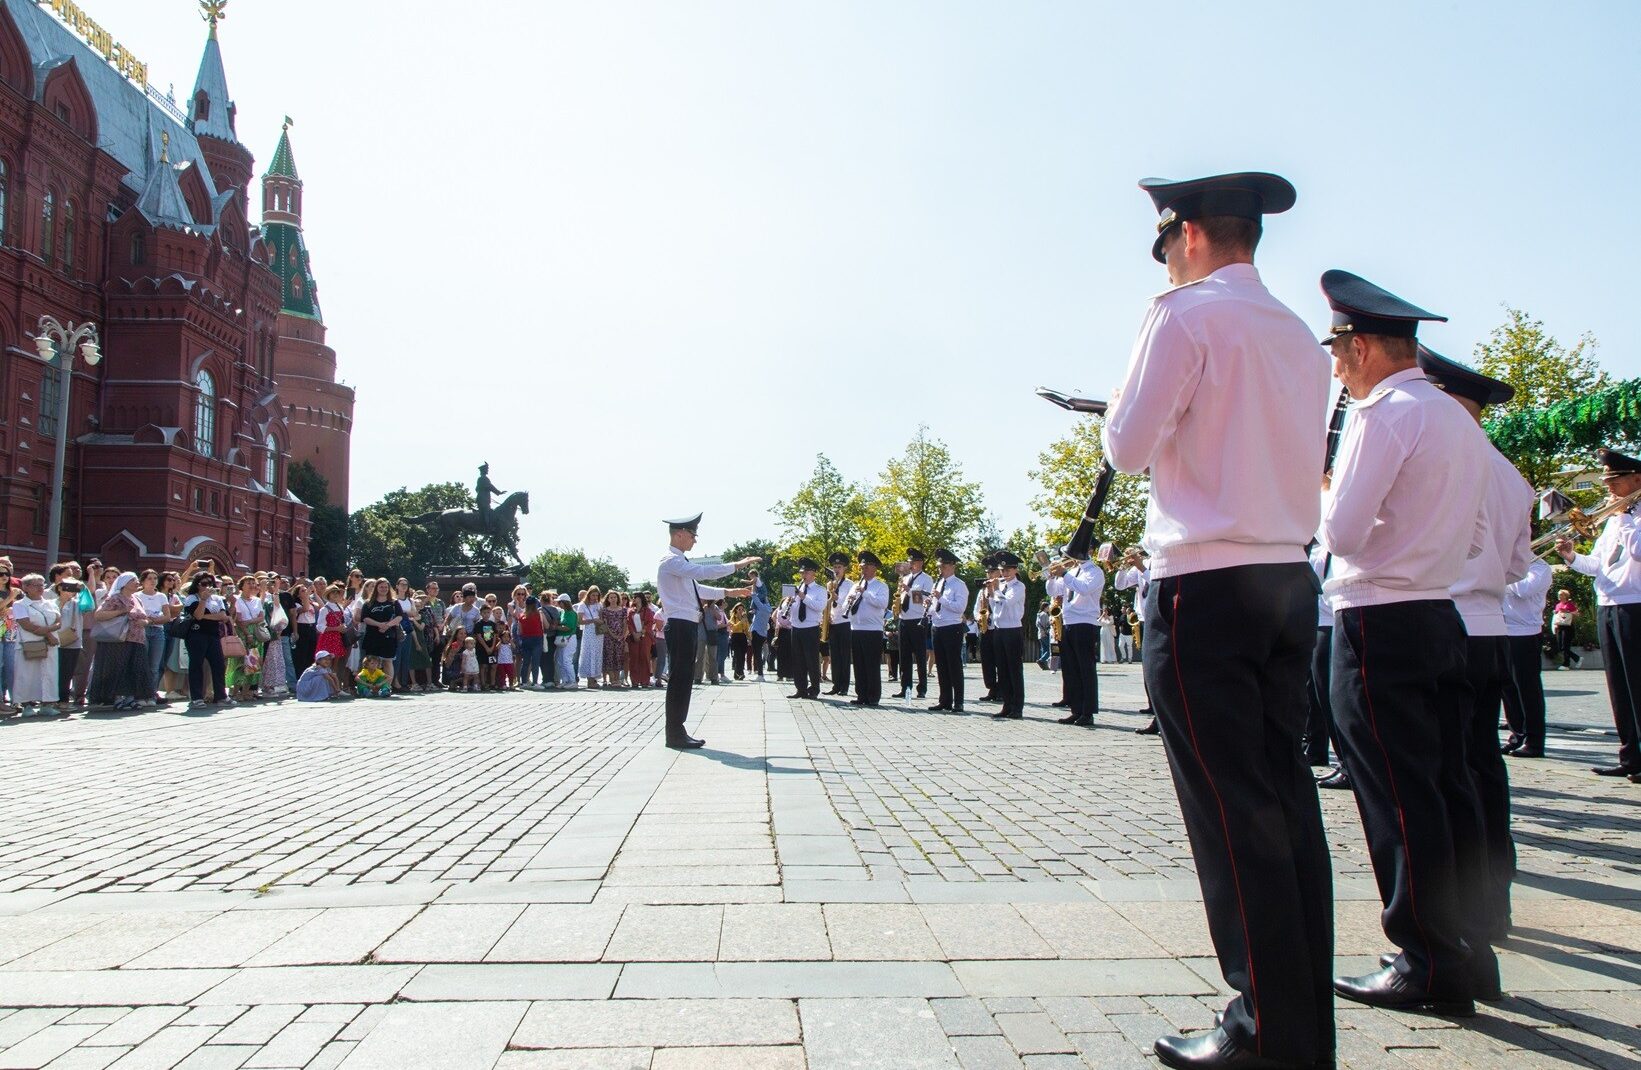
212	110
213	11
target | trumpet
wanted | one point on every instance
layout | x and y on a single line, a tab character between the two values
1048	564
1583	525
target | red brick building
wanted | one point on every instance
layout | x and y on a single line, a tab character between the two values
122	208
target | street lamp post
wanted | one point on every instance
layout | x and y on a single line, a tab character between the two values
58	342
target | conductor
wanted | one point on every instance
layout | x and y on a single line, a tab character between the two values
677	581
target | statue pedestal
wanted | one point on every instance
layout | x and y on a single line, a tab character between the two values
452	579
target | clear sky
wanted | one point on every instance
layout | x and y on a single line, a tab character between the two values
649	258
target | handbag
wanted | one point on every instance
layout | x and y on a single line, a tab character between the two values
112	630
233	646
178	627
35	651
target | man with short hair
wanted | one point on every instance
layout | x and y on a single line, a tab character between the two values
1614	562
914	624
1079	588
1226	381
1008	612
946	605
838	639
803	615
678	585
988	638
1402	515
867	604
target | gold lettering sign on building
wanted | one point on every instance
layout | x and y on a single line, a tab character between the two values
75	18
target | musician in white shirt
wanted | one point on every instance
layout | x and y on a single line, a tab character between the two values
1225	402
988	637
1079	589
803	613
1008	611
1524	684
838	641
913	596
1615	564
680	593
946	604
1402	515
868	604
1506	507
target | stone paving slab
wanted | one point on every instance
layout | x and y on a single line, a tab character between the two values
532	881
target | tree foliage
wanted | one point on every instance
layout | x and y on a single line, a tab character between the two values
826	513
1065	474
1544	372
921	499
387	539
571	571
328	525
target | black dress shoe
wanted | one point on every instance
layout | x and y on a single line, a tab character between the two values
1082	722
687	743
1062	704
1005	715
1072	719
798	694
1214	1050
1389	990
938	709
988	697
1336	779
1514	743
1149	730
1614	770
1525	751
956	709
856	702
813	694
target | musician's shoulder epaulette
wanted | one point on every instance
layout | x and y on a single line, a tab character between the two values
1181	286
1373	398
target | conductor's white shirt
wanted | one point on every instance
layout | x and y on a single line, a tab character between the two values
677	583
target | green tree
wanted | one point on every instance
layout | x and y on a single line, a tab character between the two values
392	538
1543	371
328	524
778	567
570	571
921	499
826	513
1066	473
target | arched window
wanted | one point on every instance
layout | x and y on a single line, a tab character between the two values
270	467
205	415
68	235
5	198
202	107
48	228
139	249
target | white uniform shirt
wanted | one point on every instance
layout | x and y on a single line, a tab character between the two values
1404	511
1080	591
948	600
1506	505
1128	578
920	583
867	615
1008	605
808	605
1615	561
841	599
1226	403
1524	601
676	584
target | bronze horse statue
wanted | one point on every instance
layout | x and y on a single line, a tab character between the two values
452	522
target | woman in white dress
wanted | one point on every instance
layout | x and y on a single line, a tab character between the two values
1108	637
592	644
36	618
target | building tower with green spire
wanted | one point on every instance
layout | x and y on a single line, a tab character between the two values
320	409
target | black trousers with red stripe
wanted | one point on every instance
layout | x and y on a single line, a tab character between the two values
1487	664
1403	706
1226	657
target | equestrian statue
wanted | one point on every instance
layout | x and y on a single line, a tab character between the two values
498	524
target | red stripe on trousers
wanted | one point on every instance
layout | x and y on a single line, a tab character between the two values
1224	822
1401	815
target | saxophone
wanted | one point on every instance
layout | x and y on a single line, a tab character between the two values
982	616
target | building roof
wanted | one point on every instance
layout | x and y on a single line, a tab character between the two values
213	82
162	202
284	163
129	121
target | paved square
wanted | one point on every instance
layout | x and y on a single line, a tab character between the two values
533	881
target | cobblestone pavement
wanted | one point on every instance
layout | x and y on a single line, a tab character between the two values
532	881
